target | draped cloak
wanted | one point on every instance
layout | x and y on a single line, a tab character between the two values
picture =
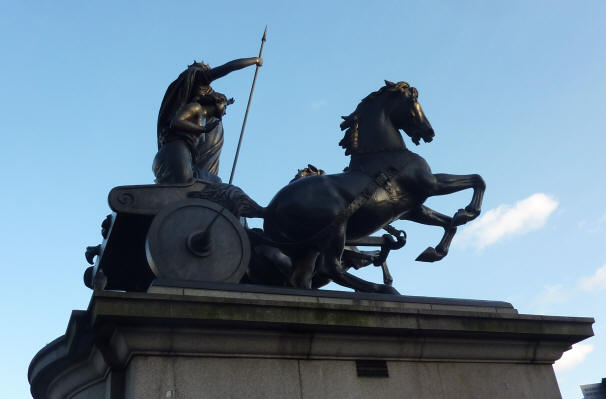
205	153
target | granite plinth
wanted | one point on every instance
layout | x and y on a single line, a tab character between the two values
217	341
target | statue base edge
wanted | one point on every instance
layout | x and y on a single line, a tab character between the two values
216	342
180	286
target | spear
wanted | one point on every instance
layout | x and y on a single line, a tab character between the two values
252	89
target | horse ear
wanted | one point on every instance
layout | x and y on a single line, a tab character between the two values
389	84
343	117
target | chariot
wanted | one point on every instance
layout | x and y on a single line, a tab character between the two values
171	232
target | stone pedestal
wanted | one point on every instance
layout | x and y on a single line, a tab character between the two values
216	341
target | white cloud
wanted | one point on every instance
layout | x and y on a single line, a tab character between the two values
505	220
551	295
573	357
596	282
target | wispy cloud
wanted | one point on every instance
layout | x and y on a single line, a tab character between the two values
319	103
551	295
573	357
560	293
595	282
506	220
593	226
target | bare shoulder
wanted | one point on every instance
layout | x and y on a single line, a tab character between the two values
189	108
194	106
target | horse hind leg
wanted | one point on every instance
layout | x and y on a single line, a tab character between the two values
346	279
428	216
334	268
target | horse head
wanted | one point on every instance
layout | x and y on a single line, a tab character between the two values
406	113
374	125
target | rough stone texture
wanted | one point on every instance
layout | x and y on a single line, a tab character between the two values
194	378
193	342
429	380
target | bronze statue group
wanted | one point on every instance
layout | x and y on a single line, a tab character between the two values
190	128
309	223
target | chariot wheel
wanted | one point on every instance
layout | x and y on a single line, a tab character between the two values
197	240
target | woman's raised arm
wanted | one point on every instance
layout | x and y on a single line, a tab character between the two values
220	71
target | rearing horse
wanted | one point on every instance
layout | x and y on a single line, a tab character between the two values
384	182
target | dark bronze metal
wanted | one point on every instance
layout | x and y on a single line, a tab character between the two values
311	218
271	266
252	89
186	228
149	199
122	255
190	129
197	240
232	198
91	252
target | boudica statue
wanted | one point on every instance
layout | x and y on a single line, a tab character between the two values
190	132
190	226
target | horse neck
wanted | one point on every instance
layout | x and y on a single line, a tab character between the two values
376	132
372	162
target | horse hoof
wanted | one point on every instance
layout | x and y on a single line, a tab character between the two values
429	255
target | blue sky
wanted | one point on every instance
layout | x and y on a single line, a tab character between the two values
514	90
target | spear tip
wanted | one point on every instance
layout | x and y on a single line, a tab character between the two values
264	38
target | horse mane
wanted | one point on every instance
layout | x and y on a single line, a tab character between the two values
310	170
351	122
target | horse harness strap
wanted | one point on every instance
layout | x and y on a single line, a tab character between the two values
381	180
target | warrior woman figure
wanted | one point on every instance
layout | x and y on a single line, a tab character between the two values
190	131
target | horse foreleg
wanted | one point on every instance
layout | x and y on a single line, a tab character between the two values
448	184
425	215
